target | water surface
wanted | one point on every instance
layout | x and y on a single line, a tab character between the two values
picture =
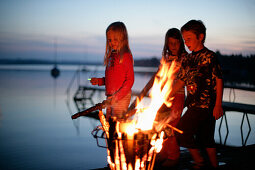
36	130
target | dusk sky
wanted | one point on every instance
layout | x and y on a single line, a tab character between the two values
30	28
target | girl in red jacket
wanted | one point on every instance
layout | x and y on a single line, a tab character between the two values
119	72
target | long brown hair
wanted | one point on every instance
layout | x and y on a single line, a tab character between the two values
118	28
176	34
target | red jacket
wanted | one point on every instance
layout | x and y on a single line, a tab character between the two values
119	77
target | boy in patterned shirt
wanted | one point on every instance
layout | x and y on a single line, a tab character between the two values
201	73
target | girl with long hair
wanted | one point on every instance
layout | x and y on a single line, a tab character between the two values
119	72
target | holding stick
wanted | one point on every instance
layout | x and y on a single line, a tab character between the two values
98	106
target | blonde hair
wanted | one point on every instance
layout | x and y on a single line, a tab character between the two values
120	30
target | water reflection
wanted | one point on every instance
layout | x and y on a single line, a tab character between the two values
36	134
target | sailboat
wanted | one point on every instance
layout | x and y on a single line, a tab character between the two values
55	71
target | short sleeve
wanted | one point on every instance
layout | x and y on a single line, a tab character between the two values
216	71
182	74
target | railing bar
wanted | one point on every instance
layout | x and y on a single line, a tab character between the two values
227	130
219	130
248	134
241	128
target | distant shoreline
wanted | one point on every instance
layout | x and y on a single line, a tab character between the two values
151	62
237	69
31	61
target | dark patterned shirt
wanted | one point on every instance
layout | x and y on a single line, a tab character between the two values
199	71
169	59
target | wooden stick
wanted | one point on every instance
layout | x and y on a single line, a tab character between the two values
174	128
143	93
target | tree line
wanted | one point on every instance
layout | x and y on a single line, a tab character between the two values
238	70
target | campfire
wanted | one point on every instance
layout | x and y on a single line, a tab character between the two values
134	142
131	148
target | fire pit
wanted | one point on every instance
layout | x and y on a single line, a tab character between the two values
130	148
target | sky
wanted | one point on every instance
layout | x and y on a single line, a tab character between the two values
75	29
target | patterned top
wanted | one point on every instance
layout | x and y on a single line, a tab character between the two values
199	71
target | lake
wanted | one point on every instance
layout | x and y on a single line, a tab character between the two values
36	129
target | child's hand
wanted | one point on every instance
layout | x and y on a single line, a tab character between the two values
110	101
94	81
217	112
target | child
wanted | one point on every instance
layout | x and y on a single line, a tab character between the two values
173	50
119	73
201	73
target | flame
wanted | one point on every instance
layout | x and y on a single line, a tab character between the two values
144	120
160	91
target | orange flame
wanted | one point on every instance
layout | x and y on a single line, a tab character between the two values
160	91
144	119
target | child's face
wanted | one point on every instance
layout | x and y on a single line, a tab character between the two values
113	40
173	45
193	42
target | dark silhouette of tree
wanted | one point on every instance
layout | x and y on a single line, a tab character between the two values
238	70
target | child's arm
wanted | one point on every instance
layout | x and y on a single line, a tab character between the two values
218	111
97	81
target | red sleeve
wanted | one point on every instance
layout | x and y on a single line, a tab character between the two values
101	81
129	77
